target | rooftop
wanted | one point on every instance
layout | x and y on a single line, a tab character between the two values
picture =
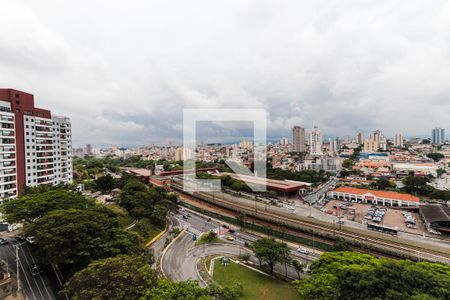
435	213
378	194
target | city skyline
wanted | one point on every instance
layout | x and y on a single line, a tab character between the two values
334	68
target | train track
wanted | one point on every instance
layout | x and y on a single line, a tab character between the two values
421	252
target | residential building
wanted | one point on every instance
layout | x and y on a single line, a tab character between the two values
398	140
35	146
88	149
284	141
298	139
360	138
370	145
438	136
315	141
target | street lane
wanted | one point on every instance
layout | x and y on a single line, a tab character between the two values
35	288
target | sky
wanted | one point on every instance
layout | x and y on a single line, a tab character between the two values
123	71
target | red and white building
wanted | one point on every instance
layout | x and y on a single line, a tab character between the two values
35	146
376	197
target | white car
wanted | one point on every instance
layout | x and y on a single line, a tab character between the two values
302	250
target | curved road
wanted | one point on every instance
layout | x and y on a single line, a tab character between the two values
179	261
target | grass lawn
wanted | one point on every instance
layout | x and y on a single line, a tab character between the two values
256	285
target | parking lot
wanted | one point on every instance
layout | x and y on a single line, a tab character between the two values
359	212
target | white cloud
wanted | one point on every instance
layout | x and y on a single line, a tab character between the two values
124	71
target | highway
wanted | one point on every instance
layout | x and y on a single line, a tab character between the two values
34	287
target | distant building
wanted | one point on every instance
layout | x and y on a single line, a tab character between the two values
298	139
360	138
438	136
370	145
88	149
284	141
398	140
246	144
315	141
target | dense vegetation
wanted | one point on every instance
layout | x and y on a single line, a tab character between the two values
351	275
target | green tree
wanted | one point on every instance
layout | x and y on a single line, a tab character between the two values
105	183
73	237
348	163
269	252
351	275
185	290
159	214
33	206
121	277
435	156
298	266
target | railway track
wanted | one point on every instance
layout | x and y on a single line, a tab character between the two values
419	251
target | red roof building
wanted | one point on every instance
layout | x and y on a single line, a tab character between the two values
374	197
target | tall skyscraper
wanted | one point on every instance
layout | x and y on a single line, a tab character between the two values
315	141
438	136
36	146
88	149
298	139
398	140
360	138
380	140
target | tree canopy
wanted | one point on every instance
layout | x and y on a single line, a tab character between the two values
35	205
120	278
269	252
73	237
351	275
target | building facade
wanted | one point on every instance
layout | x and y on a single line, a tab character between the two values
315	141
298	139
398	140
438	136
35	147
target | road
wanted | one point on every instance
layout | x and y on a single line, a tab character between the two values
35	288
179	261
315	196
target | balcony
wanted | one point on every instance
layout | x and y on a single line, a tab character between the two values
7	126
7	141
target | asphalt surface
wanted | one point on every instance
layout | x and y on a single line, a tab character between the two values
179	261
34	287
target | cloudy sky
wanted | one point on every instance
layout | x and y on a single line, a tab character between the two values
124	70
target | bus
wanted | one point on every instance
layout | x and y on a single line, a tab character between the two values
382	228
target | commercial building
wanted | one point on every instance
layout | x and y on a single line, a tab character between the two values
374	197
438	136
298	139
315	141
436	217
35	146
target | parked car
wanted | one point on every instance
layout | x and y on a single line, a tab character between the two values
3	241
230	238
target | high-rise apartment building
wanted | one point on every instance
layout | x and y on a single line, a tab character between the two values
298	139
35	146
398	140
284	141
315	141
438	136
360	138
88	149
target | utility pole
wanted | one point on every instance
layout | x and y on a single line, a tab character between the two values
17	267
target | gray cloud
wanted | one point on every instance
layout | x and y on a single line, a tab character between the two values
124	72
